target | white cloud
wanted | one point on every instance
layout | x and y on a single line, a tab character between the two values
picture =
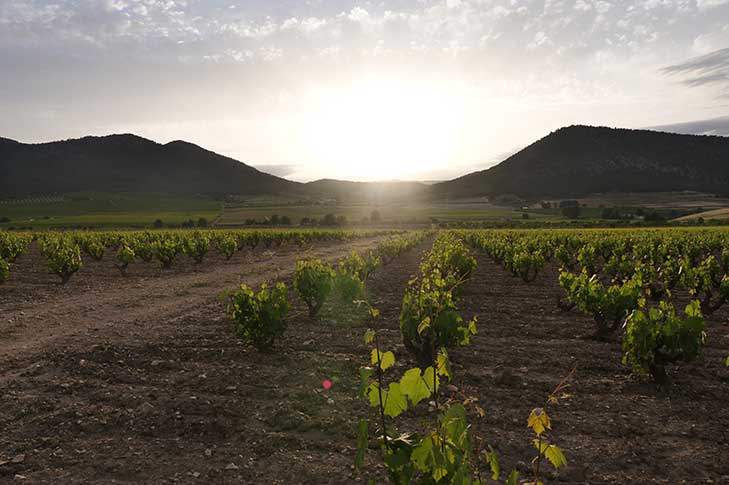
709	4
164	58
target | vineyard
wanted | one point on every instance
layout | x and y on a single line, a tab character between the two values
335	356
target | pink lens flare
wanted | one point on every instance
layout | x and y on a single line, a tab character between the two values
327	384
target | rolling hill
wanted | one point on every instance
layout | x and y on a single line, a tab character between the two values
581	160
131	164
570	162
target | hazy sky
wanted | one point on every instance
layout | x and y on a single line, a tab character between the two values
403	89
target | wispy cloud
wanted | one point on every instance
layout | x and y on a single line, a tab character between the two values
237	75
710	69
714	126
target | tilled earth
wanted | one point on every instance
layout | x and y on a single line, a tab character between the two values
141	380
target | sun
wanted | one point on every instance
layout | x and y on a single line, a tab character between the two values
383	129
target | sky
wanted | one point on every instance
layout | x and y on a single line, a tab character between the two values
383	90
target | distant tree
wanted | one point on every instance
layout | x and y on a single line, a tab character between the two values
250	222
571	212
568	203
188	224
329	220
610	213
375	217
305	221
341	220
655	216
546	205
3	220
158	224
285	221
202	222
525	215
274	220
640	211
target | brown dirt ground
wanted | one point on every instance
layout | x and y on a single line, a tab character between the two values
140	380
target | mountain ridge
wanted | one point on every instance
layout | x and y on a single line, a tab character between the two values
572	161
578	160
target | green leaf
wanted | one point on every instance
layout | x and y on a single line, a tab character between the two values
364	379
424	325
429	379
422	455
369	336
493	462
444	364
513	478
472	326
555	456
387	360
362	439
396	402
727	361
539	421
414	387
373	393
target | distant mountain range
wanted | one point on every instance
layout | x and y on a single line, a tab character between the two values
572	161
128	163
581	160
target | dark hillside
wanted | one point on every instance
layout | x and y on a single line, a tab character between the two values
580	160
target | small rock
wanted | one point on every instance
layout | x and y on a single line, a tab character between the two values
208	452
196	474
19	458
231	388
155	363
452	388
18	476
308	342
231	466
330	401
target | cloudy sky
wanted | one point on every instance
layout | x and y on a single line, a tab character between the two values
400	89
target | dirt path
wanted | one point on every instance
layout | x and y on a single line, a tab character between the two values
98	303
171	396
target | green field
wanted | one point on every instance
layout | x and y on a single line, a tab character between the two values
391	214
90	209
106	210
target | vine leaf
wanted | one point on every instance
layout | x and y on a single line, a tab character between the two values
362	439
493	462
513	478
414	387
396	402
555	456
444	364
386	359
369	336
539	421
364	378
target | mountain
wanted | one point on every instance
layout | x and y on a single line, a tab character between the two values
128	163
572	161
580	160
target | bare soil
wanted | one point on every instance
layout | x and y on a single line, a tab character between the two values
141	380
